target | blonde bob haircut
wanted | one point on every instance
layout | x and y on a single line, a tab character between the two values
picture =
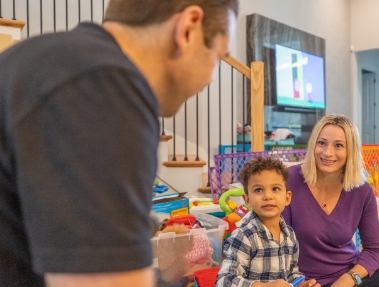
353	172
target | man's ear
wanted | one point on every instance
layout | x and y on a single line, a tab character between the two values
189	22
288	197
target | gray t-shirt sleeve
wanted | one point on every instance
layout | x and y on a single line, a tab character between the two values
86	160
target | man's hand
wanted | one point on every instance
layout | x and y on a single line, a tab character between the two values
137	278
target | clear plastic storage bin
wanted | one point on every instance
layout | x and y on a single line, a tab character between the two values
178	256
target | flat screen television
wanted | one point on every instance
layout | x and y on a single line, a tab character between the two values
300	79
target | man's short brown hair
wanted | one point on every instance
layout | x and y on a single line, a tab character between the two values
148	12
259	164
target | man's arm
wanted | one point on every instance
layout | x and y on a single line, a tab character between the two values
137	278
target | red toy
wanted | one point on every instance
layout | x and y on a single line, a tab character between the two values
188	220
206	277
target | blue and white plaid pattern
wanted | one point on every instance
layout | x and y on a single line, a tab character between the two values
252	254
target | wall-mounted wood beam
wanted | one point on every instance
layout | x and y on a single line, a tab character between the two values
257	106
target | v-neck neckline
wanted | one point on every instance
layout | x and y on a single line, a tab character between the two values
319	206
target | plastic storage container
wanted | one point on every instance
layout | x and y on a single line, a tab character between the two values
178	256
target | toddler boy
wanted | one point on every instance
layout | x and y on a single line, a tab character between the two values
263	250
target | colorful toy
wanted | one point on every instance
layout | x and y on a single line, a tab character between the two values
233	213
373	177
370	154
202	201
297	281
206	277
188	220
159	188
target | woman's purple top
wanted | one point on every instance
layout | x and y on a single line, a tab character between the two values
325	241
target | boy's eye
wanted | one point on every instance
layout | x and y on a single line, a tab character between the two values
257	190
276	189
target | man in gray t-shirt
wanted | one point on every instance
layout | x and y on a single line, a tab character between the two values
79	133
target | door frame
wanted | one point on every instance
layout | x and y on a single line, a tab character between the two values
358	63
371	70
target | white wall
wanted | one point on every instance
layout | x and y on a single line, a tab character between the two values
364	37
364	24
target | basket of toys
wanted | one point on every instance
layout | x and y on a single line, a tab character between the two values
228	166
370	154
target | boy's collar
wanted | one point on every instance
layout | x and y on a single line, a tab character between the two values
262	229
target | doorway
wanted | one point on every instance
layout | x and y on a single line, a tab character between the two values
369	117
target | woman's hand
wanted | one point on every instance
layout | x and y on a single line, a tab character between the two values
344	281
309	283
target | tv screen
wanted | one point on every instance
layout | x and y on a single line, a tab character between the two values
300	79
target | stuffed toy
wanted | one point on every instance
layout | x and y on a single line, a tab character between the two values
202	249
171	254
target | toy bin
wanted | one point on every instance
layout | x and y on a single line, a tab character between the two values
178	256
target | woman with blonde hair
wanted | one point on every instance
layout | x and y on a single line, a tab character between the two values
330	201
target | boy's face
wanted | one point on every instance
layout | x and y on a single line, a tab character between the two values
267	194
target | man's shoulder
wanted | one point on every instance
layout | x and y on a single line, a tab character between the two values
73	52
46	62
92	47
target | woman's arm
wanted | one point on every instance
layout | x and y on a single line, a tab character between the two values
346	280
368	227
367	261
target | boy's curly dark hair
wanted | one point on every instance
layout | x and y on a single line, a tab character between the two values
258	164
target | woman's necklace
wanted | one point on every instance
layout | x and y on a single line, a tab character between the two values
323	203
